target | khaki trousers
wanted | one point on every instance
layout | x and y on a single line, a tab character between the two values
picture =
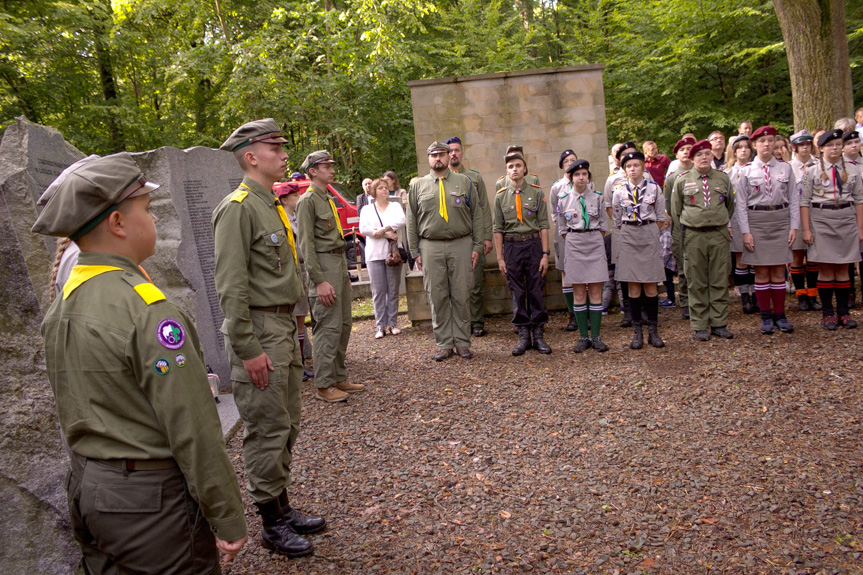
448	279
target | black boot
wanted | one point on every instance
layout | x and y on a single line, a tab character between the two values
803	303
302	524
651	307
278	535
627	308
746	299
653	336
539	342
638	336
523	340
572	325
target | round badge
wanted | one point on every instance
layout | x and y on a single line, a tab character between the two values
458	200
530	213
180	360
171	334
274	238
162	366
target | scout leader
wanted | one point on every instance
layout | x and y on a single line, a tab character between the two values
151	489
444	226
583	225
681	152
831	214
521	238
323	246
701	205
769	216
258	281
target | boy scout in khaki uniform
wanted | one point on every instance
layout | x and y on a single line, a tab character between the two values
681	152
521	238
323	246
444	226
258	281
477	303
530	179
701	204
150	483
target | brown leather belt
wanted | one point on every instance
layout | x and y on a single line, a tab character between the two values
520	237
772	208
138	464
274	308
581	231
828	206
704	228
631	223
335	251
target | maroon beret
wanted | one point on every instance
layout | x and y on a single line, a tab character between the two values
702	145
763	131
687	141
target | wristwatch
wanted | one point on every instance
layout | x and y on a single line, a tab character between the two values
546	252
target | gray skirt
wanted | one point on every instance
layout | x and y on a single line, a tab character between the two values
639	254
736	236
770	234
585	258
836	237
559	253
799	244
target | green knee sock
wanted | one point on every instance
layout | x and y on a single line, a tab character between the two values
595	320
581	318
567	297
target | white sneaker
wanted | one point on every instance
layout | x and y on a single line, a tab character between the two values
379	334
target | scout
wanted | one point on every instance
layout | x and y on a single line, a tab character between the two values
638	209
613	180
561	189
769	217
323	247
151	488
701	205
444	226
521	239
477	293
804	276
740	153
831	214
681	152
583	226
258	280
530	178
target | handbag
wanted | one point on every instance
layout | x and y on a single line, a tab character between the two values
396	255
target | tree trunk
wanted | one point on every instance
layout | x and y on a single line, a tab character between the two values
101	28
817	49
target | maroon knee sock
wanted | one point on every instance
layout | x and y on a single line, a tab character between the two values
762	294
777	294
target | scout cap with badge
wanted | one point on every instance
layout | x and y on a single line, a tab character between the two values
626	146
801	137
850	135
564	155
317	157
436	147
513	155
698	146
687	141
630	156
579	165
266	131
89	193
829	136
514	148
763	131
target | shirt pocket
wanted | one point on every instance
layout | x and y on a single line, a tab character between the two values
510	214
458	200
756	184
273	247
324	221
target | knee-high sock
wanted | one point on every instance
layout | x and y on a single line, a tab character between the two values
635	309
811	279
762	293
567	297
580	311
751	281
825	292
595	319
625	287
843	291
741	280
798	276
651	306
777	295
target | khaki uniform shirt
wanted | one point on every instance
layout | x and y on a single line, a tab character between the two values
130	382
669	183
688	205
755	189
817	190
648	205
424	220
534	210
481	191
254	263
529	178
571	213
319	230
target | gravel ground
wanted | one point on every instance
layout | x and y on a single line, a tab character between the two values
738	456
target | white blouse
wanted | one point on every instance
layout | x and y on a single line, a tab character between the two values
393	216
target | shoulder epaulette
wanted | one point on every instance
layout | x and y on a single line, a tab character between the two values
500	190
652	182
683	173
148	292
239	196
534	175
535	186
595	191
747	164
474	171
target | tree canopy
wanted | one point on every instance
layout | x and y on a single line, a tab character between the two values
139	74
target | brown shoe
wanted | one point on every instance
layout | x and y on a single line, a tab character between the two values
331	394
350	387
464	352
443	354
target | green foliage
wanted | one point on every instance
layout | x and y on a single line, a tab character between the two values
139	74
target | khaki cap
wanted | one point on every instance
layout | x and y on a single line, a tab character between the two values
437	147
514	156
514	148
319	157
265	130
88	192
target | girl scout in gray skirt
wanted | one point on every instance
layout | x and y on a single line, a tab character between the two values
831	213
744	275
769	216
638	208
583	226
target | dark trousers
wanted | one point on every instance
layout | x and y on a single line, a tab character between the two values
137	522
525	282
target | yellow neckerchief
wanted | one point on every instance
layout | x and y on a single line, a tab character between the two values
335	212
442	201
81	274
285	222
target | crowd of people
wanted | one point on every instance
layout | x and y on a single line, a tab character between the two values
151	488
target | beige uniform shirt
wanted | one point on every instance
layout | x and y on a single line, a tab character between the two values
424	220
767	184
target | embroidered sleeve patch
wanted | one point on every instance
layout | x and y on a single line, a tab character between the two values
162	366
171	333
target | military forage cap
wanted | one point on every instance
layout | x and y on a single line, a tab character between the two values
88	192
514	156
437	147
801	137
265	130
514	148
319	157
